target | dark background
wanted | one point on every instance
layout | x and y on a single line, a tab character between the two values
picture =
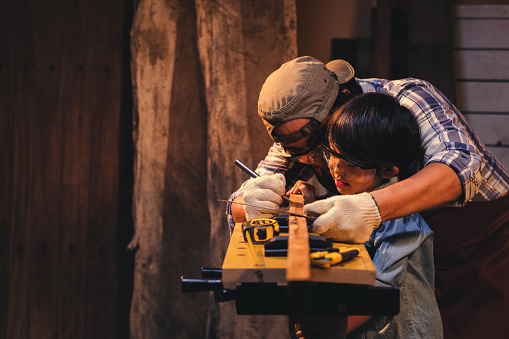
67	152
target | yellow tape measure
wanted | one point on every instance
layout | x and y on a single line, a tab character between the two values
260	230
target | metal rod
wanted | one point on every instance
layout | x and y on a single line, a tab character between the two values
246	169
270	209
253	174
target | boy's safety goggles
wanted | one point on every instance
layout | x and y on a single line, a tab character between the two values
346	168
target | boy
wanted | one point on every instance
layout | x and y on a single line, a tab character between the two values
373	142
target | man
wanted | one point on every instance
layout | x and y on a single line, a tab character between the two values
458	171
298	120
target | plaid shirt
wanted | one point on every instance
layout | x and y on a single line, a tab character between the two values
446	138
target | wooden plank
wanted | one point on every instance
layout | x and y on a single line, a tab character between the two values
298	266
480	33
47	123
16	222
103	66
491	129
77	132
480	11
485	64
61	102
7	156
19	219
482	96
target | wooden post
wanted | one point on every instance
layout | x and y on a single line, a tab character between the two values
198	67
299	263
171	217
240	44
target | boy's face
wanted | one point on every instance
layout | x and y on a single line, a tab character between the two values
350	178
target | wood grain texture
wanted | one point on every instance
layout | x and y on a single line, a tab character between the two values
240	43
61	96
171	216
298	267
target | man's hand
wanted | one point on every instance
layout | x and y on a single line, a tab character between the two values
264	194
346	218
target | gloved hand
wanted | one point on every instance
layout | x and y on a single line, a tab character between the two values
346	218
265	193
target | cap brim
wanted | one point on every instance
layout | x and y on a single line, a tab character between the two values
343	70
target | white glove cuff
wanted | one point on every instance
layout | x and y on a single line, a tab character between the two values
370	209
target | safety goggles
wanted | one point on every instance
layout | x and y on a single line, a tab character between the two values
345	168
314	143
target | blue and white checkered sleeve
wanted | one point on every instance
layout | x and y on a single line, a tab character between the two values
273	163
446	136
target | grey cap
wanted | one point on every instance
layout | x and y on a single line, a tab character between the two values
343	70
301	88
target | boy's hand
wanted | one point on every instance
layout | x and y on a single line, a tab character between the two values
264	193
346	218
306	189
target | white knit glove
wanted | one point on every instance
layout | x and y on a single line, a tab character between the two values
264	195
346	218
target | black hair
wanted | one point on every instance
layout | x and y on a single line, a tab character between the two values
354	89
375	128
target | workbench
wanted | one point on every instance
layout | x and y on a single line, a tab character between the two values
308	294
317	298
240	267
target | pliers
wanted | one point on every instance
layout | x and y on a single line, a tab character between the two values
326	259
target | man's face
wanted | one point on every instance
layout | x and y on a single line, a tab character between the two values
307	150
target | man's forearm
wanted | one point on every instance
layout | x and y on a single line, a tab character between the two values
434	186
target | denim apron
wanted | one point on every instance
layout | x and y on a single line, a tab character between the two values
471	250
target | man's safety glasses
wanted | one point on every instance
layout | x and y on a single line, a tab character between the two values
297	152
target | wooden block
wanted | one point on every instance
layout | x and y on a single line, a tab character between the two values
298	267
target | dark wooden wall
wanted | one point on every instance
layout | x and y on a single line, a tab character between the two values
66	169
67	159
